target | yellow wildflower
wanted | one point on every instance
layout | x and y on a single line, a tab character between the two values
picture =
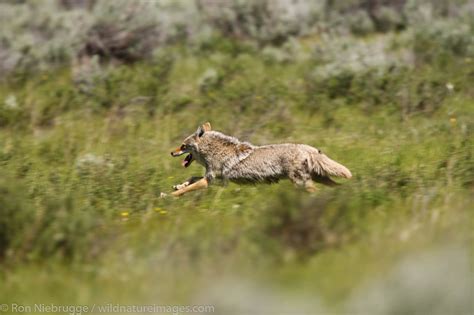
160	210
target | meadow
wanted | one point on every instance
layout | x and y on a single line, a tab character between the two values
84	156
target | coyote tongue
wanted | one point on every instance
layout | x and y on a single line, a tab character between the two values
187	160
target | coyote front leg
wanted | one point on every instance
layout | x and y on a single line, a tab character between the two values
187	182
200	184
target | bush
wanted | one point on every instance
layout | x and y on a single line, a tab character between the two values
122	31
56	32
14	218
360	23
10	111
54	228
267	22
300	225
39	36
104	87
358	71
443	41
389	19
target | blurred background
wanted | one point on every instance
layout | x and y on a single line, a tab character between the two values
95	93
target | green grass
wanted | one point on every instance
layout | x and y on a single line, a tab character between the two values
82	175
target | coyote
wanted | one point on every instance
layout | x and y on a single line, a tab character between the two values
229	159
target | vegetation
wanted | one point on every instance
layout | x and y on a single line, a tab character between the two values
87	122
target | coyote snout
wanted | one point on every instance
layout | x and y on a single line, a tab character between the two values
180	151
229	159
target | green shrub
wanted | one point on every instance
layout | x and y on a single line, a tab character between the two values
15	216
266	22
301	225
122	31
360	23
389	19
11	112
441	42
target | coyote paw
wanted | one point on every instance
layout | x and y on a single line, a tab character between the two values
181	186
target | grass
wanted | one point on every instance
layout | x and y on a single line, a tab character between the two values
82	175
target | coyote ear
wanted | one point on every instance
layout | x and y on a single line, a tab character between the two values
206	126
203	128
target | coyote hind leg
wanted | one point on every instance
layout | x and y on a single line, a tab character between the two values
325	180
302	179
310	186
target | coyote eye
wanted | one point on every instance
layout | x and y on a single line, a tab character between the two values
183	147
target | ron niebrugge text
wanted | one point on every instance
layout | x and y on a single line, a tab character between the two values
105	308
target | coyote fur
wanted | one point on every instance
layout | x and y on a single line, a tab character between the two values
230	159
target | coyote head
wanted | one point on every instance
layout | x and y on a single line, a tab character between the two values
190	145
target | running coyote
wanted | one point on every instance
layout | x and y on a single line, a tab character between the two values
229	159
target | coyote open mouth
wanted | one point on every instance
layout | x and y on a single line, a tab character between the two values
187	160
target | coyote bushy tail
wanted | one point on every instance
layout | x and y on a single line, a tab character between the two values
325	167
